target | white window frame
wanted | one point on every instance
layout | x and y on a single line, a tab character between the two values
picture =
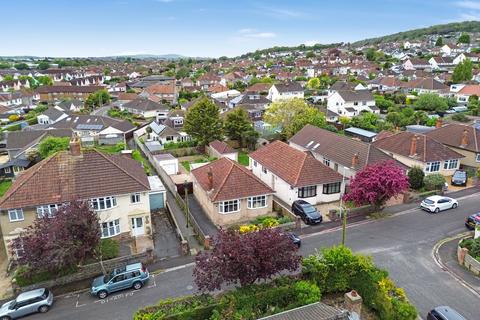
226	204
7	170
326	162
48	209
135	197
253	202
17	169
112	228
450	164
264	170
477	159
18	215
429	166
103	200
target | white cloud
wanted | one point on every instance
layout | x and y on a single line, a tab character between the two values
475	5
253	33
281	13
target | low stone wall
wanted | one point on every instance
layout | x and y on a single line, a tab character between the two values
467	260
90	271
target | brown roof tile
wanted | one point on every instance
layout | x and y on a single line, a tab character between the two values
64	177
221	147
230	181
297	168
452	135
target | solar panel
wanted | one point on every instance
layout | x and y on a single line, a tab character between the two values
84	126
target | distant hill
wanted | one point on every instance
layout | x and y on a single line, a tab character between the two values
151	56
466	26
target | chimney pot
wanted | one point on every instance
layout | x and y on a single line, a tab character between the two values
355	160
439	123
413	146
75	146
464	141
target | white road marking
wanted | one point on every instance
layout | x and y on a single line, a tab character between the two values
191	264
79	305
154	282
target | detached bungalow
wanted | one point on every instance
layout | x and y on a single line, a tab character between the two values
219	149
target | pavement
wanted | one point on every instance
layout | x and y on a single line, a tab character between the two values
402	243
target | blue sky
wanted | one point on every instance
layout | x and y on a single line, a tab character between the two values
208	27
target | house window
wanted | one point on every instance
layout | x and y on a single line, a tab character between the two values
7	170
18	250
478	157
264	170
355	103
257	202
229	206
104	203
47	210
169	138
254	163
433	166
307	192
326	162
330	188
135	197
17	169
110	229
364	103
15	215
450	164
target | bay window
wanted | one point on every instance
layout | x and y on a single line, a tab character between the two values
450	164
307	192
330	188
257	202
433	166
15	215
103	203
229	206
111	228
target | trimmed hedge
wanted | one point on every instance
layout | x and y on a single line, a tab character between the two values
109	249
24	277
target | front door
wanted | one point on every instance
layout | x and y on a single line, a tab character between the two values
137	226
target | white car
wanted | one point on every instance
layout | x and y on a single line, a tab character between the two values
435	204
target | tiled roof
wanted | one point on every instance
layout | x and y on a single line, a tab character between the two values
221	147
94	123
141	104
314	311
452	135
64	177
289	86
470	89
427	149
21	139
69	89
355	95
230	181
339	148
297	168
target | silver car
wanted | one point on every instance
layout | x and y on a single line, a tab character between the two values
39	300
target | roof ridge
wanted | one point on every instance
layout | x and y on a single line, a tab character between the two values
10	192
119	167
305	155
368	154
224	179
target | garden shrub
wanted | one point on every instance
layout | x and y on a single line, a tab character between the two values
307	291
415	177
434	181
109	248
25	277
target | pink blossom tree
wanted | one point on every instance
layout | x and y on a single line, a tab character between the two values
245	258
377	183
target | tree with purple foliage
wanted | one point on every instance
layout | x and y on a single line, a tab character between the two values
377	183
61	241
245	258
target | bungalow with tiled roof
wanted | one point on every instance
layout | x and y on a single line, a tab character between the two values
116	186
219	149
295	174
422	151
463	139
229	193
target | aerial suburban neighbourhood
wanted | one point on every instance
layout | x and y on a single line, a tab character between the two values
174	160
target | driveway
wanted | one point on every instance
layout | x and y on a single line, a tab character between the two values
166	242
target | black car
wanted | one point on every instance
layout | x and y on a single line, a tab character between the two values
444	313
472	220
459	178
295	239
306	211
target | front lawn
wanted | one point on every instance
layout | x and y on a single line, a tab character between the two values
243	158
186	165
4	186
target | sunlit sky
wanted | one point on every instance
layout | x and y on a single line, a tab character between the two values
207	28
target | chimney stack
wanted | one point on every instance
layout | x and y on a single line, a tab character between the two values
464	141
413	146
210	179
355	160
439	123
75	146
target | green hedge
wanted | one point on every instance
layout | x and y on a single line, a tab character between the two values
24	277
109	249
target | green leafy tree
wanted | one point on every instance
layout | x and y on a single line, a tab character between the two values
4	65
464	38
238	126
463	71
43	65
21	66
51	145
431	102
383	103
370	54
97	99
434	181
313	83
44	80
203	123
366	120
309	115
415	177
439	42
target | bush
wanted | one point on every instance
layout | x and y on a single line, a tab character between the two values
109	249
415	177
307	291
466	243
25	277
434	181
460	117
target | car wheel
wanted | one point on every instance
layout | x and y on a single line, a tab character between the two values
137	285
5	318
437	210
454	206
43	309
102	294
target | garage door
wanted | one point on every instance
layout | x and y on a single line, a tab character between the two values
170	168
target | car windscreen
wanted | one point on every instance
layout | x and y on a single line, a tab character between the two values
308	208
459	175
45	294
428	201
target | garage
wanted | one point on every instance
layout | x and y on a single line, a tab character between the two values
168	163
